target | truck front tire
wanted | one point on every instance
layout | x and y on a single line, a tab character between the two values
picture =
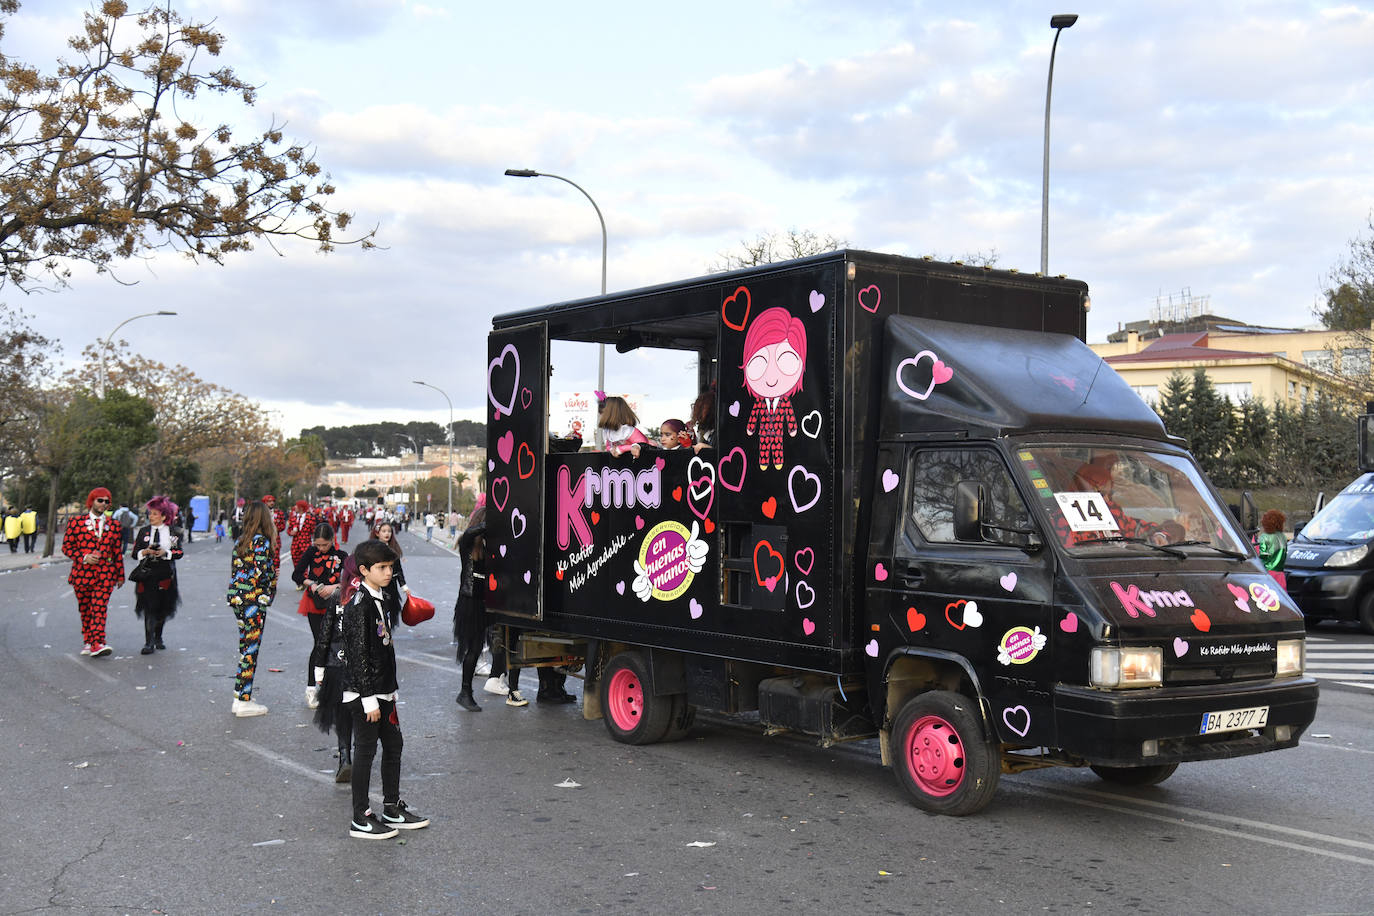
1367	613
944	754
632	713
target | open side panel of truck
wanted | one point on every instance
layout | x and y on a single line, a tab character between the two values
517	446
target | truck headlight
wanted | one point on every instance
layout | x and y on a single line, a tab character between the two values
1291	657
1137	666
1348	557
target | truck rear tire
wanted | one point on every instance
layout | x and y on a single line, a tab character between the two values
1367	613
944	754
1151	775
632	713
680	719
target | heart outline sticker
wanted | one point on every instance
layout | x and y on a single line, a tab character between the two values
871	291
810	560
810	596
503	484
809	478
509	406
772	552
517	516
939	374
814	419
1017	713
729	458
520	456
740	294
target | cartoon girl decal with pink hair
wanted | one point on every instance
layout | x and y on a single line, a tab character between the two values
774	362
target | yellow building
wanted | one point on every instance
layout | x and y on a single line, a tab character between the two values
1291	367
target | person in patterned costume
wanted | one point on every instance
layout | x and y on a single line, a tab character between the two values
301	527
774	363
94	543
251	589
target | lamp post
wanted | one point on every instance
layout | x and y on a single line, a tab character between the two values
449	437
105	344
601	348
1059	23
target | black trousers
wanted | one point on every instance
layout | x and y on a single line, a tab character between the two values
365	737
316	621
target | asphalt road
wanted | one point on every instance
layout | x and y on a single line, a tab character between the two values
131	789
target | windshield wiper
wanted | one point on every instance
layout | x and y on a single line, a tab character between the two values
1122	539
1233	554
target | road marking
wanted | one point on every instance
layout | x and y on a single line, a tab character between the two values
1091	802
42	619
1338	747
87	665
283	761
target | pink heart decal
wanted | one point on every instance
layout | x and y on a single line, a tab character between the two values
771	583
620	586
734	408
526	398
890	480
817	301
1180	646
872	648
1070	623
1008	581
735	454
1241	595
527	577
870	294
938	369
808	626
806	554
660	463
1017	719
701	486
694	608
506	406
505	445
500	493
639	523
879	573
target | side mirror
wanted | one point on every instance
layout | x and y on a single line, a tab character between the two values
968	510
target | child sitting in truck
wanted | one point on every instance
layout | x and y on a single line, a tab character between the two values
619	426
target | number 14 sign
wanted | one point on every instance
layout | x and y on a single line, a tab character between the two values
1087	511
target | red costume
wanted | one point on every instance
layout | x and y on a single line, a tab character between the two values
92	542
302	530
345	523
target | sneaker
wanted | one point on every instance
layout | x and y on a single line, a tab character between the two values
86	649
496	685
399	817
100	651
515	699
369	828
245	708
312	697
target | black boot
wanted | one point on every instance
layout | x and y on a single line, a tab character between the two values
345	772
157	636
147	634
466	701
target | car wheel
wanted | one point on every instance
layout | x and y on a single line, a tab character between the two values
944	754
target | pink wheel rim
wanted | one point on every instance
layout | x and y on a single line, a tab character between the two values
935	756
625	694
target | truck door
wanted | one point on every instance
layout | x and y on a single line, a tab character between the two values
986	602
517	442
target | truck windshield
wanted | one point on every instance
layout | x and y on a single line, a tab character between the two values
1348	517
1119	499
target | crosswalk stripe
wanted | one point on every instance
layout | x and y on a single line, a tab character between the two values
1368	686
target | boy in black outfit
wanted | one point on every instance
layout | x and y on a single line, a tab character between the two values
370	692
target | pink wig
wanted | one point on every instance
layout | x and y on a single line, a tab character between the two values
774	326
165	506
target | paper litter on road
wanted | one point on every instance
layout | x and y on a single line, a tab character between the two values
1315	735
700	844
568	784
270	843
83	764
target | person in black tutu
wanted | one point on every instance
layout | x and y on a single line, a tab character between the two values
470	609
157	547
327	664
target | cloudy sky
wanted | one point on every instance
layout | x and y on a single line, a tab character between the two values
1220	147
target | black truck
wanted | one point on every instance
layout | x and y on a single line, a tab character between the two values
927	513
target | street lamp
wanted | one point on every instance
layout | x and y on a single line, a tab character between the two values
601	348
105	344
415	477
1059	23
449	437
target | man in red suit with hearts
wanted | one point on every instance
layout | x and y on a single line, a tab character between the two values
93	543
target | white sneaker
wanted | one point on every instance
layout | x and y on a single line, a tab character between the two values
86	649
245	708
496	685
515	699
312	697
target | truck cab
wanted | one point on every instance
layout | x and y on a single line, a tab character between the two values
927	513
